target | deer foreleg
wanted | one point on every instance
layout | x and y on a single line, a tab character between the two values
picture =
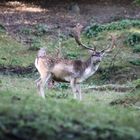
73	86
78	90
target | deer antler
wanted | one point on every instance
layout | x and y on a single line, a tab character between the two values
76	33
112	46
41	52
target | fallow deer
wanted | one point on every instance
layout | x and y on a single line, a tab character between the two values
65	70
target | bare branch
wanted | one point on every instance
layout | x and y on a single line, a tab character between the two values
41	53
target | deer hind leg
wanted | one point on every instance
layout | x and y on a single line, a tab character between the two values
41	84
50	83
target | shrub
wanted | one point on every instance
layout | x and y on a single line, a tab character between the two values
41	29
136	83
26	31
2	28
136	48
38	30
133	39
95	28
36	44
135	62
137	1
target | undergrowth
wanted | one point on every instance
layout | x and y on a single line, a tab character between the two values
95	28
2	29
133	41
13	53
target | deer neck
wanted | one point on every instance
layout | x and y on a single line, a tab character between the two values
91	64
90	69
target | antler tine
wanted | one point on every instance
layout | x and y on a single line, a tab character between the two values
41	52
77	32
110	47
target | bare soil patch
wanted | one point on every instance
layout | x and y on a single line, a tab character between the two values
17	70
56	15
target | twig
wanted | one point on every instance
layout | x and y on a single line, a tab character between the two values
111	64
118	88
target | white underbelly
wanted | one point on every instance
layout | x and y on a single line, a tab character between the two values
88	73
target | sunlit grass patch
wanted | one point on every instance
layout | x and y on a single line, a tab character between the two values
13	53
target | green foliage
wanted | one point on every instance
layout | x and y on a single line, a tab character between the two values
15	62
136	49
41	29
63	86
59	116
36	44
96	28
135	62
57	128
72	55
136	83
137	1
2	28
93	30
13	53
38	30
24	115
26	31
133	39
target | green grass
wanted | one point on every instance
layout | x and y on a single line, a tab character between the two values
16	54
136	49
100	115
23	111
13	53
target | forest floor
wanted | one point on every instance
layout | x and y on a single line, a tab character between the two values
15	16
